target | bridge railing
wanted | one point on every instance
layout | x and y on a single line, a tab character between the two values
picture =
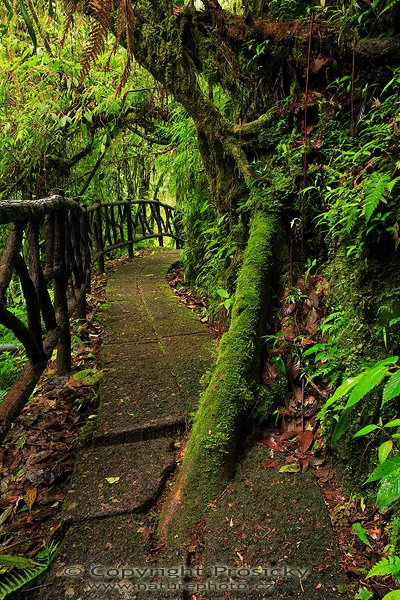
121	224
51	247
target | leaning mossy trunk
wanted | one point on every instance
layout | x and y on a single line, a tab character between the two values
211	451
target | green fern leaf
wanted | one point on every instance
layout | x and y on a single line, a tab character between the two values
375	192
13	581
362	533
386	566
6	560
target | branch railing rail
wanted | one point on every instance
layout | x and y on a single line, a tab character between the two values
51	246
123	223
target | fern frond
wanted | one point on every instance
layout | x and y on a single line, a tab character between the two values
375	192
99	12
386	566
71	7
12	581
126	22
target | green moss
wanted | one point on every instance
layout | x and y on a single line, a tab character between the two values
210	456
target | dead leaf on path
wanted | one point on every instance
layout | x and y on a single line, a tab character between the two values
305	440
272	463
324	475
318	63
304	464
286	435
290	459
38	457
30	497
147	532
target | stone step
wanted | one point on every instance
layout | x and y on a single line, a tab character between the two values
277	521
118	479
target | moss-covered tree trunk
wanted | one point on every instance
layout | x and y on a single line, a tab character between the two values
211	450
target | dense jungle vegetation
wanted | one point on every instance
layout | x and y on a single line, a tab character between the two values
274	127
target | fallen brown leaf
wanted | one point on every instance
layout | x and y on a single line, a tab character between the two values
305	440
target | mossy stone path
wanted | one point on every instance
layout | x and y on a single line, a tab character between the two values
156	351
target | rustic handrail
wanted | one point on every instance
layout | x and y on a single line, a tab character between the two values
52	245
115	224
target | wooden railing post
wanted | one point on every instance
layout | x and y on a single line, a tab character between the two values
99	239
159	226
129	228
60	295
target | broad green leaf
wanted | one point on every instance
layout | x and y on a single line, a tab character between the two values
392	387
394	423
368	382
291	468
386	566
343	389
383	470
366	430
362	533
363	594
223	293
341	427
389	490
384	450
391	360
394	595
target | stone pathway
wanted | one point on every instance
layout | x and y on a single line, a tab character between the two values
156	351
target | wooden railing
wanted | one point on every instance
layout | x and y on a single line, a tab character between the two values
51	247
121	224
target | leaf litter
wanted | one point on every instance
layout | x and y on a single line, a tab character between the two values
38	456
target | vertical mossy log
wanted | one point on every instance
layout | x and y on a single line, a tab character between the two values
211	451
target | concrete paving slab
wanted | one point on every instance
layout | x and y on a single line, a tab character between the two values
119	479
189	357
139	390
276	521
112	559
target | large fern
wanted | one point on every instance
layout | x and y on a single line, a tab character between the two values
12	581
378	187
99	12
